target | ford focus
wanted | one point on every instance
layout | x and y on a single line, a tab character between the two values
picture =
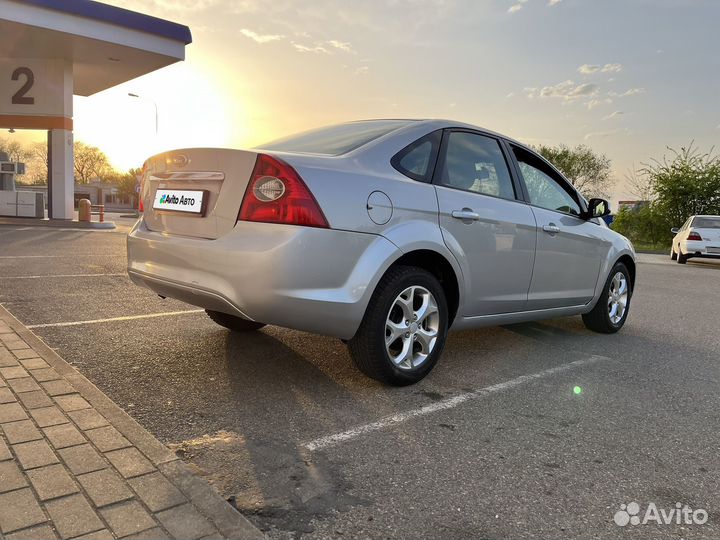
383	233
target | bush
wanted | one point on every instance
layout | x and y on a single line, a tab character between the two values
648	226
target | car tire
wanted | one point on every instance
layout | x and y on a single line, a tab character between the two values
681	259
231	322
419	344
601	318
673	255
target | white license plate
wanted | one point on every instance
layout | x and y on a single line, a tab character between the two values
181	200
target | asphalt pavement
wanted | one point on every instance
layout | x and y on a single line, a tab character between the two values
523	431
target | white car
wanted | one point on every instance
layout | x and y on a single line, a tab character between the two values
699	237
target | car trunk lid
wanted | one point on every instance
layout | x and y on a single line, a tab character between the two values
709	234
195	192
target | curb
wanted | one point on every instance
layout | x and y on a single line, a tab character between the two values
230	522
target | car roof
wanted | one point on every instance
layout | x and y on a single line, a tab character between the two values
432	124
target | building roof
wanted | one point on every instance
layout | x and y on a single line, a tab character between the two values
106	45
133	20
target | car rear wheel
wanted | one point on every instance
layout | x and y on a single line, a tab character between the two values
681	259
403	332
611	311
231	322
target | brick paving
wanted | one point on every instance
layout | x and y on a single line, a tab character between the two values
74	465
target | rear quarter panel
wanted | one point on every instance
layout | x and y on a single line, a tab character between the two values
342	188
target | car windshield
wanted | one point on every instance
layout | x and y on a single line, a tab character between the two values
706	222
336	140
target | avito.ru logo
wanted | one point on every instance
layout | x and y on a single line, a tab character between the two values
174	199
680	515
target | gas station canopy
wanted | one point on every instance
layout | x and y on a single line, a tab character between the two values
107	45
51	50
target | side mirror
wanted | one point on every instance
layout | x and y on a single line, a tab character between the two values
674	230
597	208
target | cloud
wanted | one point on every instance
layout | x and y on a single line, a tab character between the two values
260	38
611	68
362	70
518	5
566	90
598	102
613	114
633	92
341	45
587	69
604	134
324	47
317	49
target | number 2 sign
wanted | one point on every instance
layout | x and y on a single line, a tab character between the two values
20	97
35	87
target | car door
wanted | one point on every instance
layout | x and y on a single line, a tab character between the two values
490	232
570	249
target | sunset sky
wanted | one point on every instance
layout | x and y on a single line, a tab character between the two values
626	77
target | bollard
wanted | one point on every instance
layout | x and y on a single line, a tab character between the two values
84	210
98	210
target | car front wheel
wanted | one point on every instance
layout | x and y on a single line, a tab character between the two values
611	311
673	255
681	259
403	332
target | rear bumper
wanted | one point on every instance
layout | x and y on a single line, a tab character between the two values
694	248
316	280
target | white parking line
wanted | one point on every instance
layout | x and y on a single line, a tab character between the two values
450	403
114	319
62	276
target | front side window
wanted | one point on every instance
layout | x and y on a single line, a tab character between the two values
545	188
476	163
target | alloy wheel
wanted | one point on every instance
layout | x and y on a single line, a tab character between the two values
411	327
617	297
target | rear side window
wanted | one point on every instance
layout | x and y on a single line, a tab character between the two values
336	140
417	160
474	162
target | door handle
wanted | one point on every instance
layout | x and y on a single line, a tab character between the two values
551	228
465	214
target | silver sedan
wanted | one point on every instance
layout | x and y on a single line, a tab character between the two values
384	233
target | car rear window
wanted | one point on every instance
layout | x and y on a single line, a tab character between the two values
706	222
337	139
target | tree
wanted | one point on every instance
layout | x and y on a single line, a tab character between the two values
37	169
125	182
15	150
685	184
90	163
640	184
587	170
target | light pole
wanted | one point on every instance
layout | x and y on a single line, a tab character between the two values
153	102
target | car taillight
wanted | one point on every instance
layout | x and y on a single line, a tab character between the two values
277	194
694	236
